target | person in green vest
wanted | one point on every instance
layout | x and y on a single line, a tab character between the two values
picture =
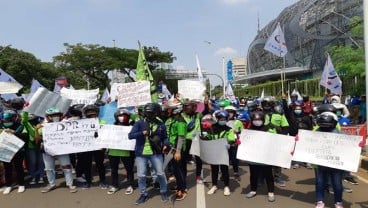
122	118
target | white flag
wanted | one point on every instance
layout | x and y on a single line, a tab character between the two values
71	87
15	86
296	92
166	92
199	71
262	94
105	95
330	79
230	94
35	85
276	42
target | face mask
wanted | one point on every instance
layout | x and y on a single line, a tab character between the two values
55	119
123	119
298	112
257	123
222	123
8	124
338	113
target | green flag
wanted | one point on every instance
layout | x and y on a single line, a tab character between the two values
144	73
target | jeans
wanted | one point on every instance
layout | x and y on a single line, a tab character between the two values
36	167
65	164
322	175
129	167
157	164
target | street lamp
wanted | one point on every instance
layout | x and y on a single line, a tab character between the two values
222	80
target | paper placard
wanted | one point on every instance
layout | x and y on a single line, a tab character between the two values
9	87
333	150
266	148
9	146
115	137
191	89
70	136
80	96
212	152
133	93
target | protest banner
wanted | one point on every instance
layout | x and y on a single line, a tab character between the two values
213	152
80	96
133	94
191	89
266	148
9	146
115	137
333	150
44	99
70	136
9	87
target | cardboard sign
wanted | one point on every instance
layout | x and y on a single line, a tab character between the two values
80	96
133	94
9	87
9	146
191	89
213	152
115	137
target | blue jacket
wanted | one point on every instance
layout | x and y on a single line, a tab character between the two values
137	134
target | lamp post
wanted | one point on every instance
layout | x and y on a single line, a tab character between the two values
222	80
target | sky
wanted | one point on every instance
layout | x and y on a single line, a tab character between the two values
213	29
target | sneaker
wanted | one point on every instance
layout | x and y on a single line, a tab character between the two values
73	189
348	190
251	194
21	189
7	190
320	204
103	185
41	181
212	190
351	180
48	188
32	182
330	191
180	195
236	174
295	166
112	190
141	199
85	186
338	205
129	190
280	182
199	179
271	197
164	197
171	178
81	180
227	191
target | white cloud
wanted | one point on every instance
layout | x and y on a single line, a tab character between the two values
233	2
226	52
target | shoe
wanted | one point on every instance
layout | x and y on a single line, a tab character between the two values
129	190
171	178
236	174
348	190
48	188
338	205
212	190
21	189
41	181
351	180
103	185
32	182
164	197
280	182
141	199
199	179
180	195
330	191
7	190
271	197
156	185
320	204
251	194
295	166
81	180
73	189
227	191
112	190
85	186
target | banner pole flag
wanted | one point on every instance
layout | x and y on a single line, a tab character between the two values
276	42
330	79
144	73
199	70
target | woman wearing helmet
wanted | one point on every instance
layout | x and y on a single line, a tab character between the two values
256	169
220	130
122	118
55	115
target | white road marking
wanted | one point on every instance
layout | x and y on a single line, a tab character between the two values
201	196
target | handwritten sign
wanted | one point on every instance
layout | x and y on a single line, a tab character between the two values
266	148
70	136
333	150
9	146
80	96
191	89
115	137
212	152
133	94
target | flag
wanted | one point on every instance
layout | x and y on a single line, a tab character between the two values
144	73
199	70
230	71
5	77
71	87
166	92
60	82
330	79
296	92
276	42
105	95
262	94
289	98
35	85
230	94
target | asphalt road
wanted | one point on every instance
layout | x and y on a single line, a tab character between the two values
299	192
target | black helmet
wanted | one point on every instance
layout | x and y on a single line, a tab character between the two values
326	108
91	109
17	103
151	110
327	120
121	112
257	115
76	110
267	103
305	98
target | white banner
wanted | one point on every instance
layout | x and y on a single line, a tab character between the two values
276	42
213	152
44	99
115	137
191	89
80	96
266	148
133	93
70	136
9	146
333	150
